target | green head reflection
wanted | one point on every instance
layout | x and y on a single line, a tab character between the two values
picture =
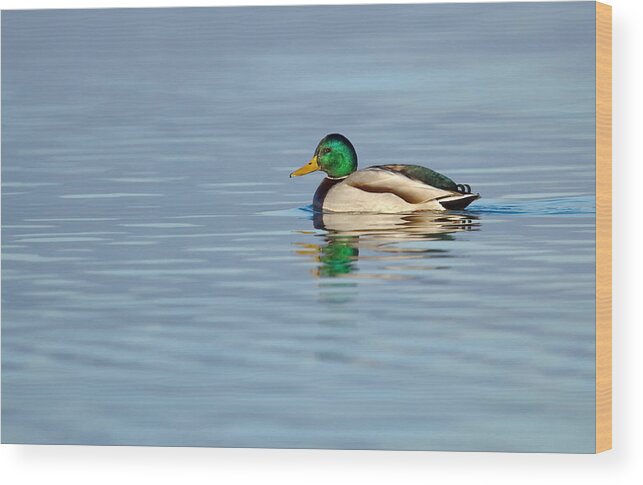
338	256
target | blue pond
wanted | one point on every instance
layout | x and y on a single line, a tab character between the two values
165	283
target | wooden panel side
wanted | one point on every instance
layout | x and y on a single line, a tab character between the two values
603	227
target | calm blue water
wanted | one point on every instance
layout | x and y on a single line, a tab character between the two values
165	283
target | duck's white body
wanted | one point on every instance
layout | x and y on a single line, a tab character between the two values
384	190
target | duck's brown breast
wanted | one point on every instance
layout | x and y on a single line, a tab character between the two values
322	192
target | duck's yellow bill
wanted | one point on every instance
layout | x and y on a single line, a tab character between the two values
311	166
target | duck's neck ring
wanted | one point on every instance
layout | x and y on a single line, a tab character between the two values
336	178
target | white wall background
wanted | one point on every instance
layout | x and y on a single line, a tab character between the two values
105	465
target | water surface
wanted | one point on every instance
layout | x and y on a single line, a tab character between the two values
165	283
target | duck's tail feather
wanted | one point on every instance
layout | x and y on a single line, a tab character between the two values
458	201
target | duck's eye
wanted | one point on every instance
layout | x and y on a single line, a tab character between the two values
325	150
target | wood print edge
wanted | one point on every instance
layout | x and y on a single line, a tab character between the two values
603	227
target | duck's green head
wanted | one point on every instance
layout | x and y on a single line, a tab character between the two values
334	155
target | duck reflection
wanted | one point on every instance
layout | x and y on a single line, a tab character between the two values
351	238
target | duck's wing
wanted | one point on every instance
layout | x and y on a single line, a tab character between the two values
422	174
389	179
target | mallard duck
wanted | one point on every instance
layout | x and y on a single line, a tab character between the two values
381	188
